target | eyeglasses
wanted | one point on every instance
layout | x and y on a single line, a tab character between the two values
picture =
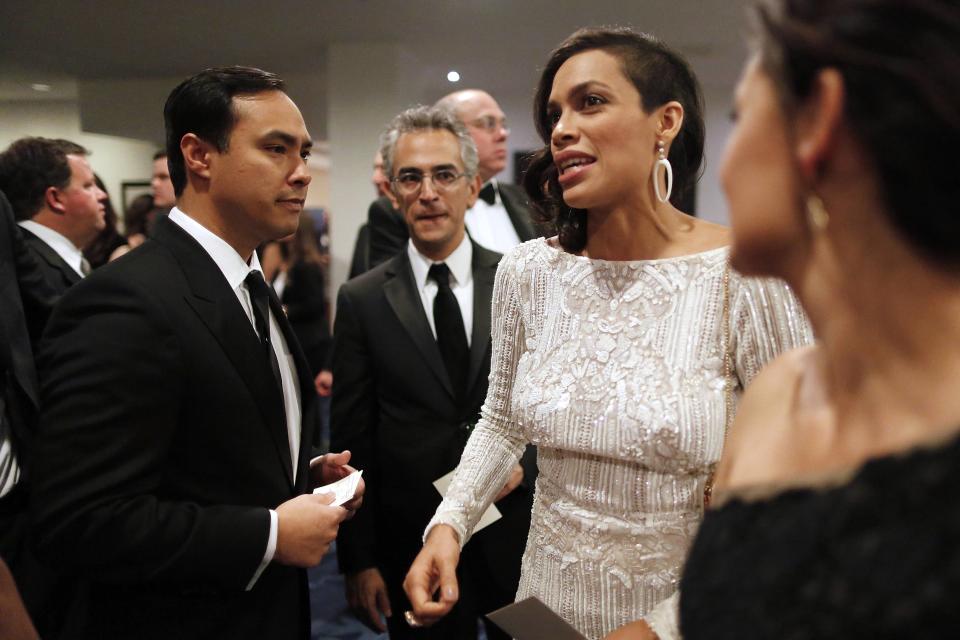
490	124
411	182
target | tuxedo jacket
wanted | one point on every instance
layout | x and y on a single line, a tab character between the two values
58	274
25	304
162	445
394	409
388	231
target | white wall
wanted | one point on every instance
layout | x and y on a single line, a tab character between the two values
113	158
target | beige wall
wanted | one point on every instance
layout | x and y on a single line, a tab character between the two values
113	158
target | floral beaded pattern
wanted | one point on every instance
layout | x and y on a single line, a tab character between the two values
615	371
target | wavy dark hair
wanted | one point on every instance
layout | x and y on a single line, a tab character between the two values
900	63
660	75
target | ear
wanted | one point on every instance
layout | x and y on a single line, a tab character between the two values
196	155
474	187
52	201
393	197
670	121
818	123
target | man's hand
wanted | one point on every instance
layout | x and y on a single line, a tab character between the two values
433	570
324	383
513	481
306	525
331	467
367	597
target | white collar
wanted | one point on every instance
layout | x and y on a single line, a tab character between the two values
233	267
459	263
60	243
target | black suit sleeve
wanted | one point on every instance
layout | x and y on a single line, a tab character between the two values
353	416
388	232
111	376
37	295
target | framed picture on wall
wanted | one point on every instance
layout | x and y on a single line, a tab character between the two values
130	189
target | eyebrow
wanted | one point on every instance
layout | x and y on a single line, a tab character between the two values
580	89
436	167
289	139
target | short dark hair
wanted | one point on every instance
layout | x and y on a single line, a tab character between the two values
203	105
30	166
660	75
161	153
900	63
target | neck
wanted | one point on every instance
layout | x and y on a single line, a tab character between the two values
204	211
634	233
888	323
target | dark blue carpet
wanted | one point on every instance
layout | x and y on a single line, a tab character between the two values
328	605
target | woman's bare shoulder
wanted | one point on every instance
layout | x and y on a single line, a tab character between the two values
765	421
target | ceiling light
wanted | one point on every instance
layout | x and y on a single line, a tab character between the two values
453	76
39	86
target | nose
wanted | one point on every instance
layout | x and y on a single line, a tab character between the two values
501	132
428	191
564	131
301	175
101	195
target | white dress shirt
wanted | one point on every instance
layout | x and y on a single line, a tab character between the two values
461	282
70	253
235	270
490	225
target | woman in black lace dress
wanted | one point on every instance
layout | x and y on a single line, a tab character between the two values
837	506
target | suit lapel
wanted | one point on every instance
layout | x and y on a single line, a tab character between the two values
518	211
304	377
484	271
220	310
52	258
404	298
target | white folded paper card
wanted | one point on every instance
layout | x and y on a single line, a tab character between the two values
530	619
343	489
491	515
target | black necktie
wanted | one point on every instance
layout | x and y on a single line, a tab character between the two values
451	335
489	193
260	295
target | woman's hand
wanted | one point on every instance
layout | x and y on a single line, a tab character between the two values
434	570
637	630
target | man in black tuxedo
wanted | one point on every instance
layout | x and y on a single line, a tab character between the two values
57	201
172	466
410	367
25	304
500	219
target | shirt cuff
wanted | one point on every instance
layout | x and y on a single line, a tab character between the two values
271	550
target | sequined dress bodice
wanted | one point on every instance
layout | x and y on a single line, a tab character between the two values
615	371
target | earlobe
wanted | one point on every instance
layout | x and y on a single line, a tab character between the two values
196	155
819	122
475	185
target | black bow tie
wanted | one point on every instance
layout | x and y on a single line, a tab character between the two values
489	193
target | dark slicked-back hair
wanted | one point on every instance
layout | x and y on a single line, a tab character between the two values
659	75
900	63
30	166
203	105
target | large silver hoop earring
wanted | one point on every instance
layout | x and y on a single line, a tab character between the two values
667	173
817	216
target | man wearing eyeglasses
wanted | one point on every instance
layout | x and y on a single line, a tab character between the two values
411	360
500	219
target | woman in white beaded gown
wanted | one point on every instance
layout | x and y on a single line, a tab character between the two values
609	347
